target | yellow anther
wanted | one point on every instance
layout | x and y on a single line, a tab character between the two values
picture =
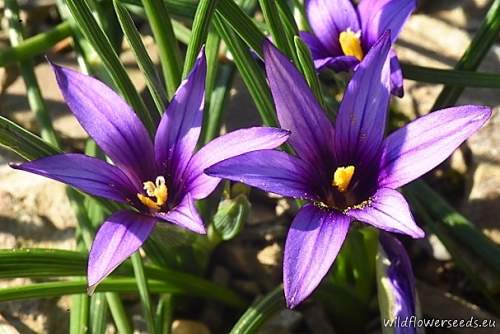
350	43
342	177
157	190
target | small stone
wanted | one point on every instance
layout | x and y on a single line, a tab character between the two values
439	251
270	255
189	327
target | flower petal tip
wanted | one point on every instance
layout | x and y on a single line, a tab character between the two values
15	165
91	289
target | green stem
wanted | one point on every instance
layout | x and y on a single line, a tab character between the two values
161	25
35	99
271	16
486	35
142	286
33	46
164	314
199	34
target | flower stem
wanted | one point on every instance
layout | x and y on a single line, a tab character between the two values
142	285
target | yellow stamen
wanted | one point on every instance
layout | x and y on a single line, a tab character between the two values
157	190
342	178
351	44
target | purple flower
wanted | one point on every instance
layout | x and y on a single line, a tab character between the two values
397	293
348	171
158	181
343	34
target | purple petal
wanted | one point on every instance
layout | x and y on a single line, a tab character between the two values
318	50
273	171
180	126
119	237
423	144
328	18
230	145
312	244
377	16
110	121
85	173
400	286
360	124
389	211
185	215
298	110
396	75
338	64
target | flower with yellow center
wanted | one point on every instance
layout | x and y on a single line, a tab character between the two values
157	190
350	42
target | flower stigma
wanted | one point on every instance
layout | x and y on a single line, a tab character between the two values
350	43
342	178
157	191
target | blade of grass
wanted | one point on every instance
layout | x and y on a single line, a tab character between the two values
35	99
451	77
141	55
242	24
61	263
199	34
90	29
142	286
219	96
260	311
79	314
98	313
168	50
182	33
486	35
275	25
33	46
122	285
306	66
164	314
458	225
251	73
23	142
290	28
182	8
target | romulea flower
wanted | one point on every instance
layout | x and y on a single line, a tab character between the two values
343	33
397	293
348	171
158	181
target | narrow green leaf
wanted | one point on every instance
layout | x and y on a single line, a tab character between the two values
468	234
79	314
143	60
242	24
218	98
306	66
290	28
250	72
62	263
182	33
451	77
184	8
200	28
486	35
89	27
33	46
118	313
260	311
98	313
35	99
143	288
164	314
275	25
486	281
23	142
168	50
123	285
